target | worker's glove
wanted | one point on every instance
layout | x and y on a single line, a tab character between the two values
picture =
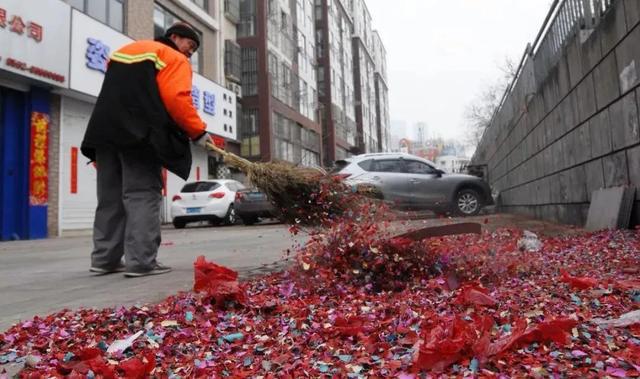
202	141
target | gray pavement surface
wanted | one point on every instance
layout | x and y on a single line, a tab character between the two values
43	276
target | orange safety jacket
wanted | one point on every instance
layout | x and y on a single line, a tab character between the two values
146	100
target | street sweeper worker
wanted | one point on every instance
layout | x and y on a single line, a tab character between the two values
144	119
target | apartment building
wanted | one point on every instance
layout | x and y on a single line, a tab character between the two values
383	121
279	95
336	93
364	83
53	56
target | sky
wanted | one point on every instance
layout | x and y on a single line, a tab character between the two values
442	53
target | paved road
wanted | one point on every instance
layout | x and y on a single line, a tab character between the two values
40	277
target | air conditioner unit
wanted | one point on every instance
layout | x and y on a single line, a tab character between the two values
236	88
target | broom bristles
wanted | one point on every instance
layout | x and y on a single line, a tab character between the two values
302	195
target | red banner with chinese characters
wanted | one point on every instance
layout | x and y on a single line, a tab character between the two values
39	162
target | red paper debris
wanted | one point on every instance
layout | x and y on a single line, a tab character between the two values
356	301
556	330
474	295
218	282
581	283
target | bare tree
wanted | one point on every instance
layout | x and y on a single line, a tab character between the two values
479	112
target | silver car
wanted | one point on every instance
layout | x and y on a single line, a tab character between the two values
408	181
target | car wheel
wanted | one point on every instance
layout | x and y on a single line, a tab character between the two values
249	220
230	218
467	203
179	224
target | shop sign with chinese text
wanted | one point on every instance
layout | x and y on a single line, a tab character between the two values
34	39
216	105
92	43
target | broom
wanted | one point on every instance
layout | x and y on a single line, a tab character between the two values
301	195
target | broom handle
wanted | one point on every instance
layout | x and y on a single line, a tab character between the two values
216	149
225	153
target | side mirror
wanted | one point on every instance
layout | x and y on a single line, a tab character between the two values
439	173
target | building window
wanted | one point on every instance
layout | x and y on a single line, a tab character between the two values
274	75
232	61
204	4
247	25
110	12
249	71
162	20
249	134
232	10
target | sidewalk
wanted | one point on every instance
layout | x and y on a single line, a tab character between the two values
43	276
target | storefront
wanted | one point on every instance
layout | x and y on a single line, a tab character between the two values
91	44
31	66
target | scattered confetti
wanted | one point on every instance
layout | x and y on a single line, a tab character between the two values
357	302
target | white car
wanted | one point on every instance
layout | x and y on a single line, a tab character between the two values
207	200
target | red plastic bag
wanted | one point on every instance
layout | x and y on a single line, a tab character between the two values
448	341
581	283
555	330
138	368
503	343
472	294
219	282
85	360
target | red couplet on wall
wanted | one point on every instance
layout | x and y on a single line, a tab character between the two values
39	161
74	170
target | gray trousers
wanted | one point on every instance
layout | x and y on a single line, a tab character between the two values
128	214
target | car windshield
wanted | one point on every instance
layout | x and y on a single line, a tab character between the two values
199	187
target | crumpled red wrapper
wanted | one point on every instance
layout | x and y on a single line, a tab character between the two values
447	341
348	326
218	282
451	339
556	330
582	283
137	368
473	294
85	360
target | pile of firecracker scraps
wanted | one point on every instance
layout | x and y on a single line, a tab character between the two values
359	303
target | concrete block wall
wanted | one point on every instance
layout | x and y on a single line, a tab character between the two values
560	137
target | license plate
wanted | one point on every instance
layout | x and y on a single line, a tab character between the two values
256	196
193	210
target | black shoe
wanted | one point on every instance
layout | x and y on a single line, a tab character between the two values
158	269
105	271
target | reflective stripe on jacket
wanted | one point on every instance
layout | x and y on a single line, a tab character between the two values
173	79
